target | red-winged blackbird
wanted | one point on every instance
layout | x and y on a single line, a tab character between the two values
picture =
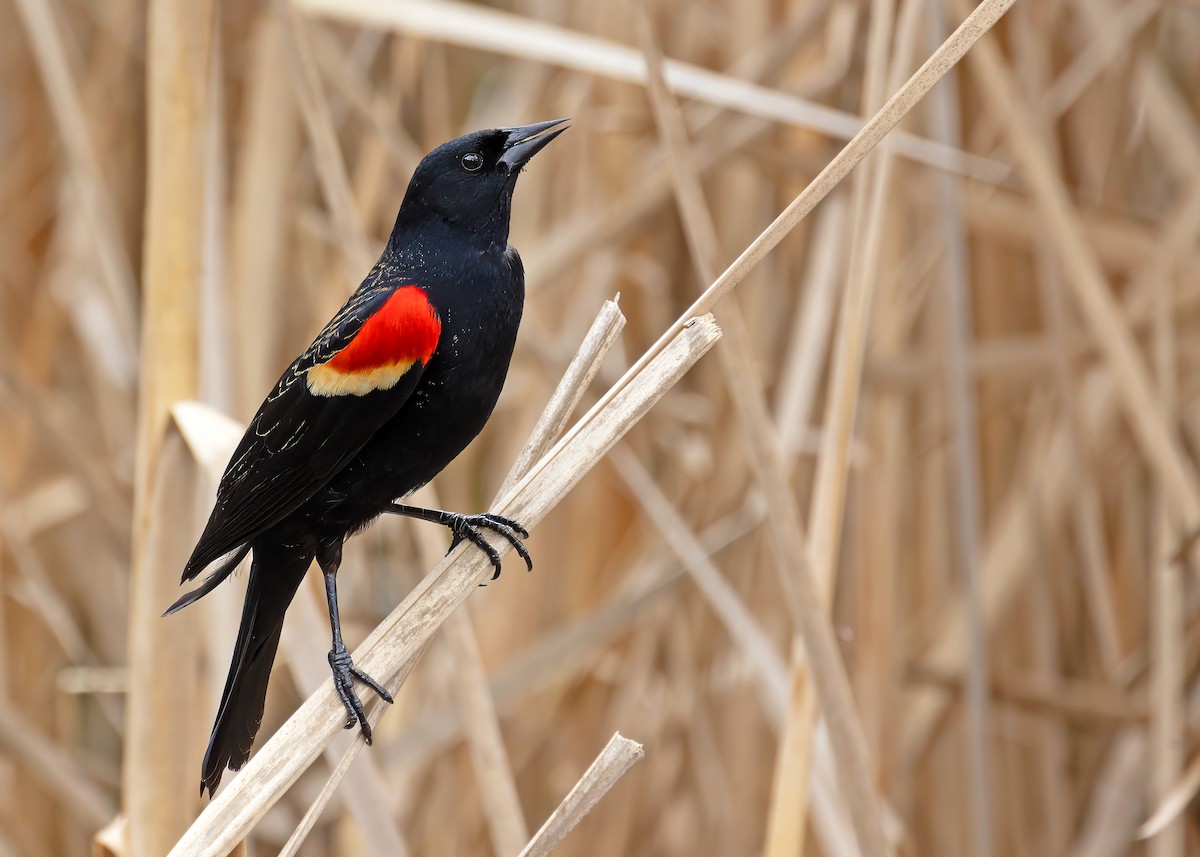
394	387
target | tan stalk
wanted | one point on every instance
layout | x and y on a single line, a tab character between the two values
159	784
618	756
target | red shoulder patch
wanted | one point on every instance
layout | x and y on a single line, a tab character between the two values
402	332
405	329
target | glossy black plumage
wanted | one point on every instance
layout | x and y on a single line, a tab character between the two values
315	467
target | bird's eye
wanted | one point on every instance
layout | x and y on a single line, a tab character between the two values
472	161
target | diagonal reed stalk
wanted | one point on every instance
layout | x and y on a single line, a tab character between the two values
618	756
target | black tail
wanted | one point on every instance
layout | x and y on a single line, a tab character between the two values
211	582
275	575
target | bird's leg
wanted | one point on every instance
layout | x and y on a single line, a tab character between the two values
468	527
329	557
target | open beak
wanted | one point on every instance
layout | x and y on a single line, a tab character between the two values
526	141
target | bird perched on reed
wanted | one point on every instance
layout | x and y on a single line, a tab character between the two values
396	385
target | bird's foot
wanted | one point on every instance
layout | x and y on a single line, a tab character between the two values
344	673
467	527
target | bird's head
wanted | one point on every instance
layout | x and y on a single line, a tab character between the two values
469	181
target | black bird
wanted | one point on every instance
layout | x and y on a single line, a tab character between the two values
394	387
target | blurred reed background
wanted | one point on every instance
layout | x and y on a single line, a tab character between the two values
979	378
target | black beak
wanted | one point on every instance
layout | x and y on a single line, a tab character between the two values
526	141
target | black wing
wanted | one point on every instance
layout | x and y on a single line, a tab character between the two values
298	441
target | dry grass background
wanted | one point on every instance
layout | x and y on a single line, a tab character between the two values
960	395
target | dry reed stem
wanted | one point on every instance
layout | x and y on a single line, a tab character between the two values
489	758
801	374
349	81
1173	802
1113	37
1168	678
1111	818
110	840
958	314
1071	700
618	756
501	804
1120	244
158	783
394	643
258	217
832	475
785	832
582	369
301	831
835	831
742	378
493	772
164	694
1167	595
474	26
1086	509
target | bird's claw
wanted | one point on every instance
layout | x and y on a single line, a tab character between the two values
379	689
344	673
467	527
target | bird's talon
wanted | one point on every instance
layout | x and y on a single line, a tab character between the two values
380	691
468	527
507	522
344	673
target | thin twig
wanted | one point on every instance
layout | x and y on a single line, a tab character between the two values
617	757
958	319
